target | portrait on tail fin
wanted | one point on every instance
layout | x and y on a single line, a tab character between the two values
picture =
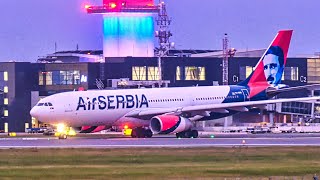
269	69
273	65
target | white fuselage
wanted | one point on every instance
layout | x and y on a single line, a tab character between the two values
109	107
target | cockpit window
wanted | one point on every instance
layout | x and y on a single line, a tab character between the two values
45	104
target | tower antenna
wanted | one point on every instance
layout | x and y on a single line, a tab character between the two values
225	65
163	35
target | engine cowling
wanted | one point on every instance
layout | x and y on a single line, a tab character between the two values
169	124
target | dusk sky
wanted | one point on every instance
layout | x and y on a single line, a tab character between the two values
30	28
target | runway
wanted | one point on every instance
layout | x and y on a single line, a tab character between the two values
156	142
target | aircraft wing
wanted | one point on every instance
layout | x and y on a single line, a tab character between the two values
150	112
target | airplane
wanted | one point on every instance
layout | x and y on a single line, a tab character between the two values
172	110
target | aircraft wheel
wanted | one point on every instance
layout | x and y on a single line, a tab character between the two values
134	133
148	133
195	133
140	133
180	135
187	134
63	136
177	135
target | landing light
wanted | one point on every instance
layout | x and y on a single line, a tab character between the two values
87	6
113	5
126	127
61	128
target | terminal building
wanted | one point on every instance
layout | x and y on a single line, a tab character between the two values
129	59
23	84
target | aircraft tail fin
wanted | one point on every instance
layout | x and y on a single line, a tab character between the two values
268	71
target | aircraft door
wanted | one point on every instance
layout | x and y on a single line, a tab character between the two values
51	109
245	93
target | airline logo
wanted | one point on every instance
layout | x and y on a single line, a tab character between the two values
270	68
112	102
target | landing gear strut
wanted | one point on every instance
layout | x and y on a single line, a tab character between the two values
63	136
188	134
141	133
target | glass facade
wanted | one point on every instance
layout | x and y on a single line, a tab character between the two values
195	73
245	72
139	73
48	78
5	101
5	89
153	73
317	109
291	73
2	81
6	113
313	70
296	107
178	73
41	79
5	76
60	77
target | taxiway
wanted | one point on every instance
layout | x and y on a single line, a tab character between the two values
156	142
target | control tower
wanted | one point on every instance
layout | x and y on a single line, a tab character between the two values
128	27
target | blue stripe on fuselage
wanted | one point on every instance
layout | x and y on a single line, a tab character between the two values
237	94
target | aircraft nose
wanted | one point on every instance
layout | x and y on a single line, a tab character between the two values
34	112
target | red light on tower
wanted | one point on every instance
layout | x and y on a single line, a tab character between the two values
113	5
129	3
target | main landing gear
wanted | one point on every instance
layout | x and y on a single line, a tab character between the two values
188	134
141	133
62	136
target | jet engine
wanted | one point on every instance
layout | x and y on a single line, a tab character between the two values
169	124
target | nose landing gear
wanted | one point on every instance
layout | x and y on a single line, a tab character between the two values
63	136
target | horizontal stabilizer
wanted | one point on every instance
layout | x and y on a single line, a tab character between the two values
274	91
